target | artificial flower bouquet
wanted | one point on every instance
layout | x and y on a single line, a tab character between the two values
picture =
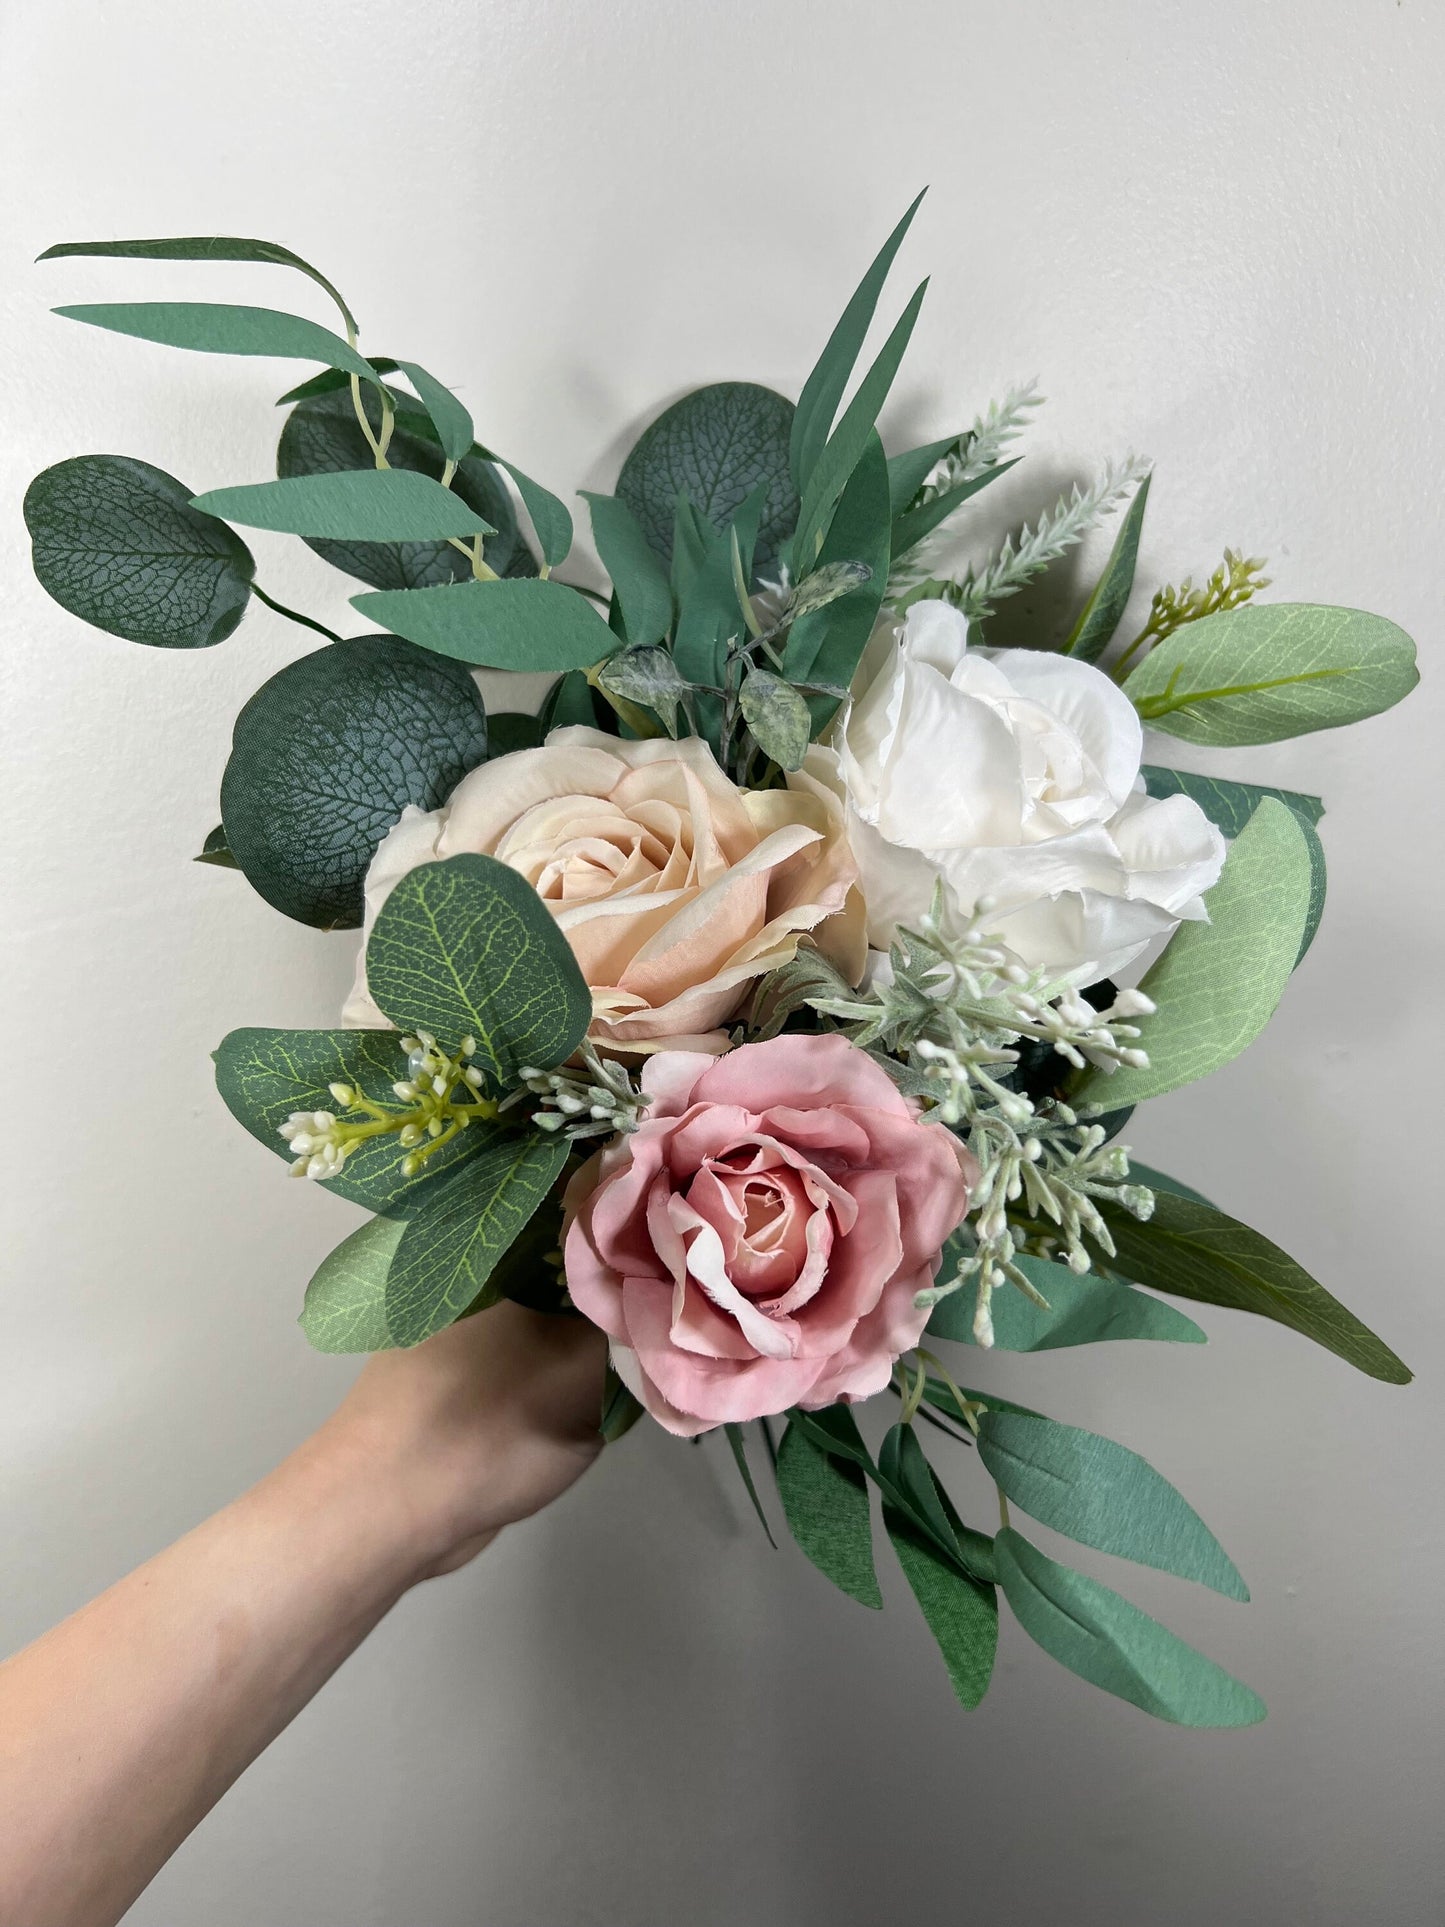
775	998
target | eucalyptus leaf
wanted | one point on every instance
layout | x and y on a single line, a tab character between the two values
649	677
217	328
962	1612
217	850
202	247
1087	1310
265	1075
824	388
825	1502
1110	1643
331	380
496	625
450	419
1161	1181
1103	1495
118	543
1271	670
451	1246
360	505
1218	983
1191	1250
1102	613
322	436
550	517
466	947
717	446
345	1308
637	576
327	755
778	717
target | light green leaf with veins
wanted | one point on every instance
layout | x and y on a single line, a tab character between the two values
345	1308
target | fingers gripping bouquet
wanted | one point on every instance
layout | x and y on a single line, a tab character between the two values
761	999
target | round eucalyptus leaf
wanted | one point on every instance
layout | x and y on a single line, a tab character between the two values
117	543
323	436
718	444
328	754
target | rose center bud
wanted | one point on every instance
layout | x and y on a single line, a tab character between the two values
762	1219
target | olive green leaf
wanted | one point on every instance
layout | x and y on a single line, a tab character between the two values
450	1247
359	505
496	625
118	543
1188	1248
308	794
1104	1496
1218	983
345	1308
1270	670
1110	1643
778	717
466	947
650	677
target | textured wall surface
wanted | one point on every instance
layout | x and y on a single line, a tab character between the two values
1214	233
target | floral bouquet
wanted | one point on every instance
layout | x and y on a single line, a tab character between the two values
776	998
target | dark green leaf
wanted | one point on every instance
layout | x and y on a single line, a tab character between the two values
345	1308
265	1075
649	677
496	625
1085	1310
332	379
1318	882
202	247
631	562
827	646
1104	1496
1101	614
451	1246
328	754
323	436
908	472
450	419
1218	983
738	1444
825	1501
512	730
962	1612
1161	1181
358	505
846	445
217	850
568	704
1270	670
1193	1251
117	543
466	947
1105	1640
550	518
216	328
823	390
717	446
778	717
910	529
620	1409
903	1465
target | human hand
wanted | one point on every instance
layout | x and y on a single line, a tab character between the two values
480	1426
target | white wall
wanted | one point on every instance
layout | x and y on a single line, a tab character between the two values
1214	231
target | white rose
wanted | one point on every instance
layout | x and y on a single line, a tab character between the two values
1013	775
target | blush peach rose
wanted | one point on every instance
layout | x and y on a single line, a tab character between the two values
759	1240
676	889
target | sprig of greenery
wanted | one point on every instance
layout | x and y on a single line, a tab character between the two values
981	446
596	1100
1235	580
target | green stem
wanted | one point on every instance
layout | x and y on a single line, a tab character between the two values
293	615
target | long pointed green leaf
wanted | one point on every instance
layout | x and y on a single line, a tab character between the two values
823	390
355	505
825	1502
908	472
962	1612
1218	983
637	575
1103	1495
738	1443
451	420
1101	614
214	328
202	247
846	444
1087	1310
1113	1645
1193	1251
517	624
910	529
551	518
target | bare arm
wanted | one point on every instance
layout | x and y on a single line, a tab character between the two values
123	1726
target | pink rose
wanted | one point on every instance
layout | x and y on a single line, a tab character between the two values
759	1240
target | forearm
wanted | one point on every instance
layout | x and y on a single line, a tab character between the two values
120	1729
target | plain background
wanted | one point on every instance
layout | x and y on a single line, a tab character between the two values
1214	233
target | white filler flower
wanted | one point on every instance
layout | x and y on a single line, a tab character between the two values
1013	776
